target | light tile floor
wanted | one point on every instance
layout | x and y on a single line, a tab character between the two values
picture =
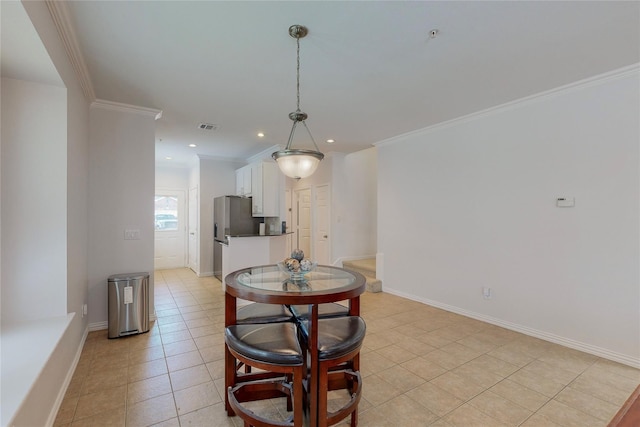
422	366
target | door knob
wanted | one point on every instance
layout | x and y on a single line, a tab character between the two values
325	236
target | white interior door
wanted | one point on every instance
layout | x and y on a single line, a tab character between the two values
322	247
303	220
170	229
193	229
289	219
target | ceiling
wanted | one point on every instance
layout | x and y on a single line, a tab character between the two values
369	69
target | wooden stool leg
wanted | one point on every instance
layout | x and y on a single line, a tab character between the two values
323	396
298	396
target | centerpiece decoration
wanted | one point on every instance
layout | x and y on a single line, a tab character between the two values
297	266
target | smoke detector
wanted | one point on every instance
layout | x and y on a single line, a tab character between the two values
207	126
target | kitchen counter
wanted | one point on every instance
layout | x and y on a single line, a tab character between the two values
245	251
260	235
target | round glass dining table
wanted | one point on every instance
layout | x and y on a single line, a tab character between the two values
270	285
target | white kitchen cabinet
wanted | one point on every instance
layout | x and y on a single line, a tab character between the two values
265	189
243	181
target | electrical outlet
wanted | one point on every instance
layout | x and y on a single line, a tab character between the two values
486	292
84	310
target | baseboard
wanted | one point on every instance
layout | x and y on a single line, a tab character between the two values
65	385
556	339
98	326
101	326
205	274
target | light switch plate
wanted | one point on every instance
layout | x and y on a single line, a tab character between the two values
131	234
565	202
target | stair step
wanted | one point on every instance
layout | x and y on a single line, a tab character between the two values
373	285
366	267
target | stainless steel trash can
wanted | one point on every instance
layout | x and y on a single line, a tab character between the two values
128	304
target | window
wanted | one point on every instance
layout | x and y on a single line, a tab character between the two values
166	213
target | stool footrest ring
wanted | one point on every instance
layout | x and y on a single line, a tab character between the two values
258	390
355	378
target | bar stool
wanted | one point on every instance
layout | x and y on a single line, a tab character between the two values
339	343
274	348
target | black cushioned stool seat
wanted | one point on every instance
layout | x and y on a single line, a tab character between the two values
263	313
340	336
274	348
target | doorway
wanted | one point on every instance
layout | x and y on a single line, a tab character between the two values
169	220
311	224
303	221
289	219
322	245
192	226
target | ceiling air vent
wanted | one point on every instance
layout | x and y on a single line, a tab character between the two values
207	126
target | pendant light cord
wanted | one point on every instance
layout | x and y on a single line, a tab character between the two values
298	73
295	122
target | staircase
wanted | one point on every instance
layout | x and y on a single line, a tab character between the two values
366	267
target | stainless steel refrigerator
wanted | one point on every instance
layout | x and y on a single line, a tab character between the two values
231	217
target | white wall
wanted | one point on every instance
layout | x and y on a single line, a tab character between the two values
472	204
172	178
71	180
77	128
34	201
354	207
216	178
122	188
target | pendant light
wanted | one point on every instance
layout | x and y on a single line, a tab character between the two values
296	162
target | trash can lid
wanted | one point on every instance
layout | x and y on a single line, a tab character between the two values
127	276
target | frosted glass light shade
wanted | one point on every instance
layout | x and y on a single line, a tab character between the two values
298	163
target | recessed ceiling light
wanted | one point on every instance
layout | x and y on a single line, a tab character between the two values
192	145
330	141
260	134
168	158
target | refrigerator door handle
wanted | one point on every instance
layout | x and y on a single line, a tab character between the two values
215	230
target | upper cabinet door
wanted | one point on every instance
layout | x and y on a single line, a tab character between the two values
243	181
257	187
248	180
265	189
239	182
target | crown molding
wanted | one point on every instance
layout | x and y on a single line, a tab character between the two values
599	79
264	154
220	158
126	108
61	16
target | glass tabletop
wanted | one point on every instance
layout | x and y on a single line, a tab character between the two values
271	280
